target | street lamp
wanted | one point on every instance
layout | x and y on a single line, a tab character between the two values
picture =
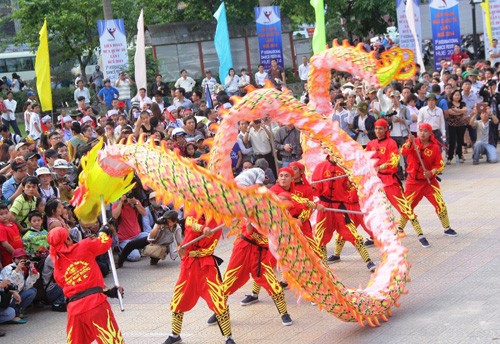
474	28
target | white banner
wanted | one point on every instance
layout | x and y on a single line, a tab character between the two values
495	24
406	39
113	47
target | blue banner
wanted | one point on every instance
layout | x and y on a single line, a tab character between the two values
269	33
445	19
222	43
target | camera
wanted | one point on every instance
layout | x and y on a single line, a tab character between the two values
390	114
343	104
11	287
26	262
161	220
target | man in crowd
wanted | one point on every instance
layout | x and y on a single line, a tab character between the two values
487	134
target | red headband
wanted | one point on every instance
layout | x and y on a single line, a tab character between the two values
425	126
286	169
381	123
298	165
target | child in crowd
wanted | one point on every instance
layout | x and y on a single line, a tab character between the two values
36	236
10	239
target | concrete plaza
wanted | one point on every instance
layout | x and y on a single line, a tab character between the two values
454	295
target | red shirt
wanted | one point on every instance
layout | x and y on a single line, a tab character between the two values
387	156
9	233
128	223
431	157
458	57
339	190
76	270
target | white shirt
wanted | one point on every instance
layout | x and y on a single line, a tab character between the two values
362	138
34	132
187	84
244	80
261	143
141	101
250	177
82	93
10	105
232	85
304	71
260	78
434	117
495	50
123	87
210	83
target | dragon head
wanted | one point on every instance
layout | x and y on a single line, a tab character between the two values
103	174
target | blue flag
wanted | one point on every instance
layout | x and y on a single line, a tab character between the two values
208	98
222	44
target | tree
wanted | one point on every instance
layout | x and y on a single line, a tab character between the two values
71	24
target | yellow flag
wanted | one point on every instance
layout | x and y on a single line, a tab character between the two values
42	70
487	16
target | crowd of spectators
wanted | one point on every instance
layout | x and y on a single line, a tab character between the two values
39	166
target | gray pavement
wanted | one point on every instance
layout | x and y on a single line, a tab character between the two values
454	295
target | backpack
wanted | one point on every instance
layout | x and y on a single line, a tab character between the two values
22	84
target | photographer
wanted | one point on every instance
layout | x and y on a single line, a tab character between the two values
164	238
23	275
126	212
487	134
7	313
399	119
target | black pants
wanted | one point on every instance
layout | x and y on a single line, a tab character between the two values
136	244
456	137
14	126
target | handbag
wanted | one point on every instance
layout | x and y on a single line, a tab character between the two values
155	251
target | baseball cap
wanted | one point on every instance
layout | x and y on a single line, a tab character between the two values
178	131
17	164
396	94
152	195
20	144
362	107
198	138
348	84
42	170
61	163
86	119
31	155
30	94
19	252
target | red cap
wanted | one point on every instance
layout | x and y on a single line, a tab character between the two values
19	252
287	170
381	123
298	165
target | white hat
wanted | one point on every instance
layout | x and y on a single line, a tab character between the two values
45	119
111	113
152	195
42	170
178	131
67	119
61	163
348	84
20	144
86	119
171	108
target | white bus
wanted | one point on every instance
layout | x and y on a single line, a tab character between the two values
21	62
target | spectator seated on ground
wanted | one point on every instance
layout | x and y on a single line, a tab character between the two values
487	134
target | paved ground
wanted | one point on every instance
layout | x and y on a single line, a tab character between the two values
454	295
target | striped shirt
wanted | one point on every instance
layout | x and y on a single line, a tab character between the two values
123	87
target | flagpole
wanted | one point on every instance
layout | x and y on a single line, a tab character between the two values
110	255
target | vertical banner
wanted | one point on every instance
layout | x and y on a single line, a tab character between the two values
445	20
405	9
269	33
319	37
140	56
494	6
222	43
42	70
113	47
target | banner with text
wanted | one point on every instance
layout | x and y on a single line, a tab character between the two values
113	47
269	33
406	39
445	20
495	27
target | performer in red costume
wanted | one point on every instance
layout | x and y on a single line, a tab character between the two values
387	156
75	269
304	194
340	194
199	277
422	180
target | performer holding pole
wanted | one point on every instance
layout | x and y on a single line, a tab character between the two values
199	277
75	269
424	164
387	155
